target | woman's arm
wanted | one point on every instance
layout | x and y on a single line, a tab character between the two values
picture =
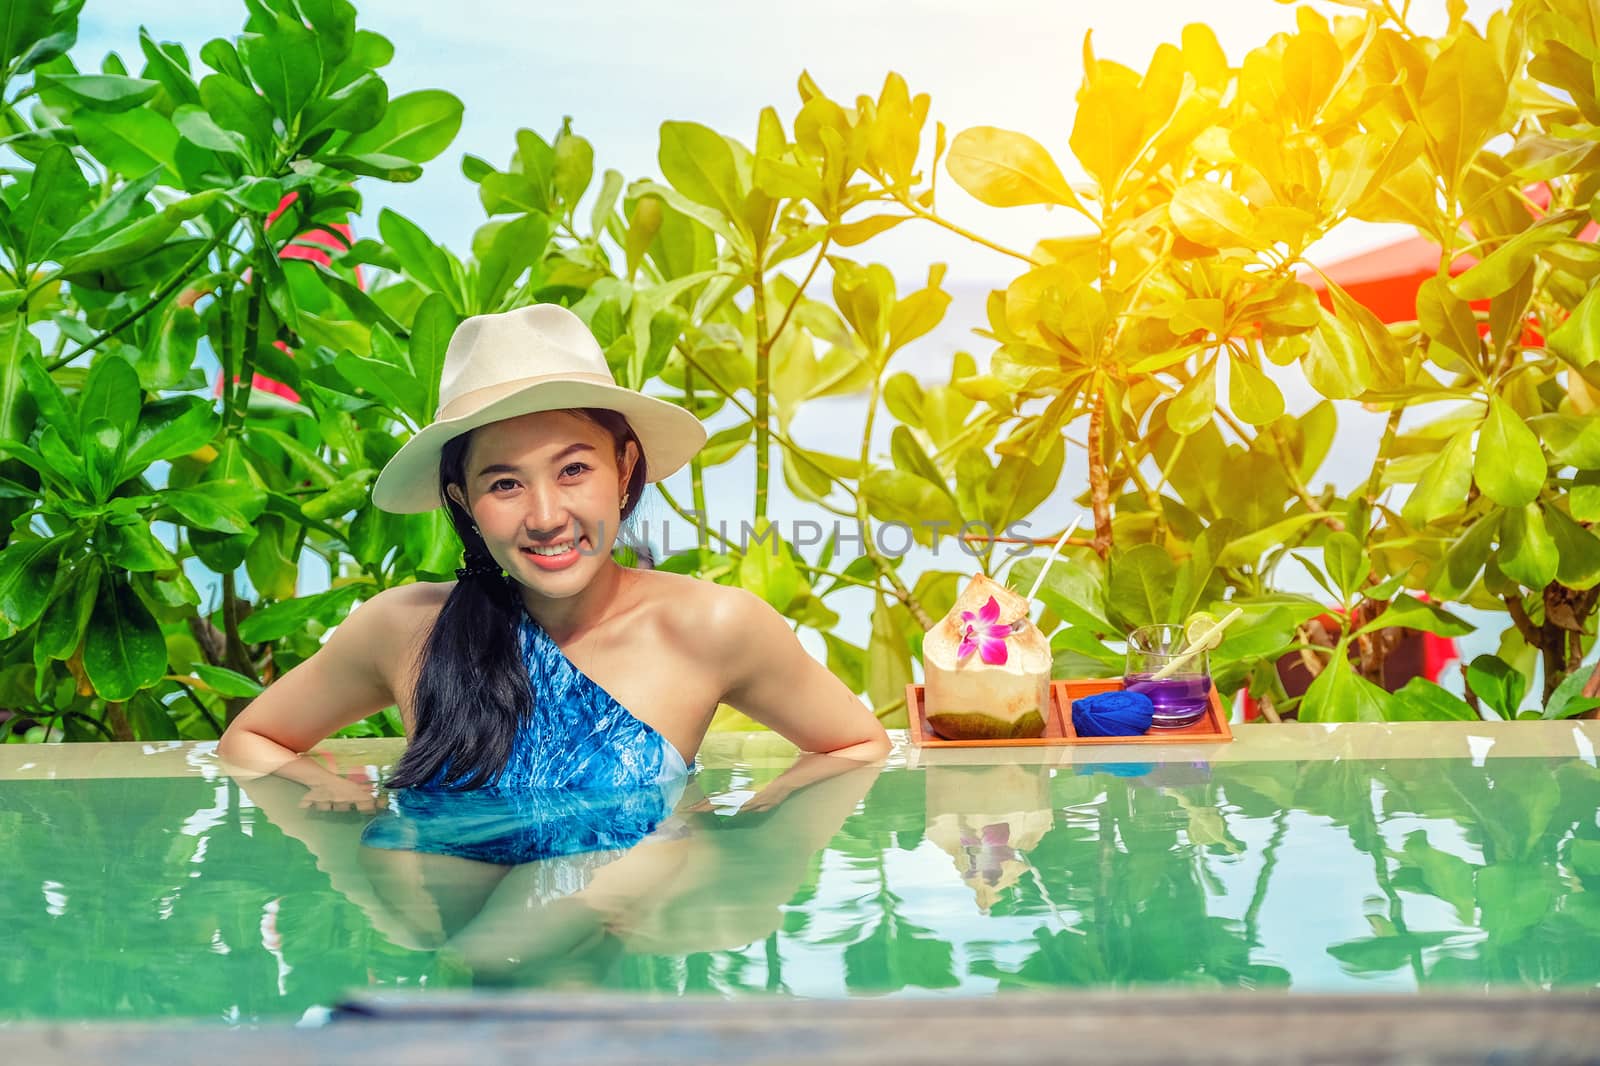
768	674
342	683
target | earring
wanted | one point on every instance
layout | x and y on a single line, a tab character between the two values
475	529
624	502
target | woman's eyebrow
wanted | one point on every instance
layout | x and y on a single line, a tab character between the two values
507	468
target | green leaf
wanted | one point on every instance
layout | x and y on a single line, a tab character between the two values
1577	340
1447	320
61	629
1003	168
125	205
27	574
168	429
101	92
431	330
1140	590
355	107
1339	694
766	568
725	444
1336	361
1209	214
1253	396
131	546
1573	439
1411	613
376	165
120	246
847	662
699	163
36	31
888	656
227	683
1346	563
285	63
1461	102
1509	465
1497	683
236	107
1076	653
396	388
1020	485
1568	698
102	446
111	393
416	126
1248	549
1578	549
1445	484
1527	552
131	142
56	195
1193	407
422	257
19	362
167	64
280	619
123	650
1465	556
1505	268
574	167
1071	590
203	510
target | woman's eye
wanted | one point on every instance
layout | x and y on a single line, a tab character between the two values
503	481
576	468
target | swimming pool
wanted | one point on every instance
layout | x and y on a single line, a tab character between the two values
142	882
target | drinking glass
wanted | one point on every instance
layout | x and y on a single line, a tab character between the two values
1180	698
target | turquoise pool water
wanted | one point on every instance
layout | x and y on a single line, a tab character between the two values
187	894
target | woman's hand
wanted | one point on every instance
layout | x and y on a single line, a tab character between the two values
342	794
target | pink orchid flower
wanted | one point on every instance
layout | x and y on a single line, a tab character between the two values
988	637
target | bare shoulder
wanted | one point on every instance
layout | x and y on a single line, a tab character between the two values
731	627
388	630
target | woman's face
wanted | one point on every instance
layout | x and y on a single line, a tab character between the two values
545	491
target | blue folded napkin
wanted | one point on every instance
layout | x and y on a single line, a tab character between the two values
1112	714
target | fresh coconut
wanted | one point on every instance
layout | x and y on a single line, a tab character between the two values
986	667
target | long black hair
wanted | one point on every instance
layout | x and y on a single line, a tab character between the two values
472	688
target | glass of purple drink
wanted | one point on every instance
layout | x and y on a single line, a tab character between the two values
1180	697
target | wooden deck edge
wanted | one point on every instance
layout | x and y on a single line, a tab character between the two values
1104	1027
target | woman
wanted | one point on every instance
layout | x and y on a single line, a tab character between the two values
567	670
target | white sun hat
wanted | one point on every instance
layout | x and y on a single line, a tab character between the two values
538	358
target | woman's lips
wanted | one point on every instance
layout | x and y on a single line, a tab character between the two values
555	562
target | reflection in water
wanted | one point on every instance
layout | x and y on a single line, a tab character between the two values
224	899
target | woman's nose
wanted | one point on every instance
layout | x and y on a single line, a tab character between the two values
546	514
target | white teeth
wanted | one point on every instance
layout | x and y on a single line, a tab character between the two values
556	550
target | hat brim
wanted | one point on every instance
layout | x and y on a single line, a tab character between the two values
669	435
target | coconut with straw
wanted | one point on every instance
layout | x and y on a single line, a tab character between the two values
986	665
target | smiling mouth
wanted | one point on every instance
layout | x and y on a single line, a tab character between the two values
549	551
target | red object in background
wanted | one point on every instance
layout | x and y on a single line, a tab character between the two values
1419	654
317	246
1385	280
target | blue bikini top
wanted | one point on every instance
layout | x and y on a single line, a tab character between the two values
578	735
584	775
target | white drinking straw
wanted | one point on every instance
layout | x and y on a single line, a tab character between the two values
1055	551
1195	649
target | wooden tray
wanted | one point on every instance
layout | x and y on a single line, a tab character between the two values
1211	727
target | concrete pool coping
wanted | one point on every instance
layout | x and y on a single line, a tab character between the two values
1290	742
1142	1026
